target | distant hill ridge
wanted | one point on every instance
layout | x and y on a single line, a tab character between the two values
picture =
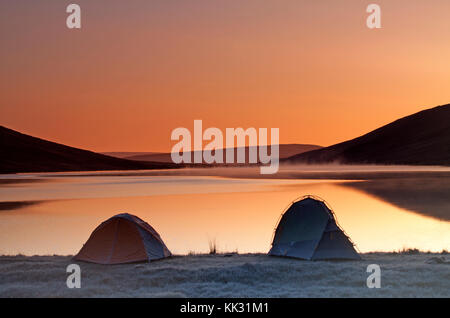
419	139
285	151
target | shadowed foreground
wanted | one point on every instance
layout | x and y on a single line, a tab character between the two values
257	275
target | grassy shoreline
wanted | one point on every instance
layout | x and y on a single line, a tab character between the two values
235	275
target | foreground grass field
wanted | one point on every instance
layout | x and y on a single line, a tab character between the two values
404	274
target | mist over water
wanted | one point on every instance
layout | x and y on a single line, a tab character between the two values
337	167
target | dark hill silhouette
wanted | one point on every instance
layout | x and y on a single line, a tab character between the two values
285	151
419	139
127	154
24	153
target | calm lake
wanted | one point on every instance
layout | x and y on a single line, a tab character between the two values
55	213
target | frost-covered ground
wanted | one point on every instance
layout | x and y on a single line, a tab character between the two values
250	275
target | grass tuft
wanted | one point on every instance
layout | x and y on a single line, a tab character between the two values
212	247
409	251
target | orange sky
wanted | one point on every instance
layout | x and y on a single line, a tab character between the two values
137	70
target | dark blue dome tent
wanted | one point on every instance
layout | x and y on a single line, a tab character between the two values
308	230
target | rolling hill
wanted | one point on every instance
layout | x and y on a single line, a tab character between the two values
24	153
285	151
419	139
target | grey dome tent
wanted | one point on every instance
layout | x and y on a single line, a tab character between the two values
123	238
308	230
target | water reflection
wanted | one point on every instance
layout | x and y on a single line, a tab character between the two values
240	214
17	205
428	196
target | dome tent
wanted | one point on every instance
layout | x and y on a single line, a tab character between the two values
123	238
308	230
